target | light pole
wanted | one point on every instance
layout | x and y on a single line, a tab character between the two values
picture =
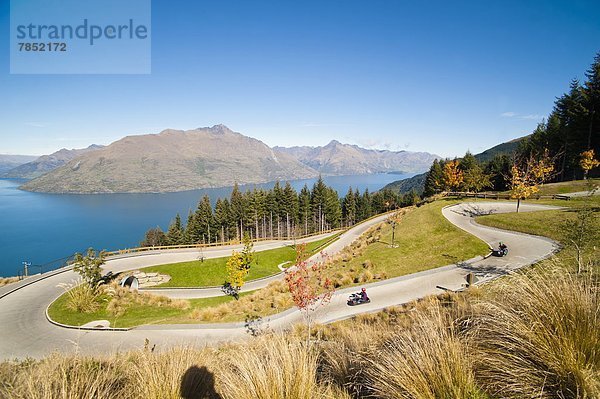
392	222
26	268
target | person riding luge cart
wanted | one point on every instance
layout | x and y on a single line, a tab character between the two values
359	298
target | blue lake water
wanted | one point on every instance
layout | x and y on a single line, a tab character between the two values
41	228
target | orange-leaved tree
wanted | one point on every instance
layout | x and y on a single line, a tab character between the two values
526	177
238	267
588	162
453	175
309	286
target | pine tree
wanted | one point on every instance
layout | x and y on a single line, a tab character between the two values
349	208
498	169
280	207
191	233
317	200
222	218
304	209
175	232
364	205
592	102
204	221
237	211
474	177
272	212
290	207
434	179
333	211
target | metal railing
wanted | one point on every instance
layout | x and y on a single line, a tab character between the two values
33	269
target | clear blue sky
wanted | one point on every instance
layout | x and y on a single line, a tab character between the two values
437	76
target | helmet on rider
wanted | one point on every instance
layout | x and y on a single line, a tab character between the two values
364	290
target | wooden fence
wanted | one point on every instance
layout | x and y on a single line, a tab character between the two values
212	244
501	195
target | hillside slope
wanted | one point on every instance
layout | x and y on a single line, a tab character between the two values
508	148
417	182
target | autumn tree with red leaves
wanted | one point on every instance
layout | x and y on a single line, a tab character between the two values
309	286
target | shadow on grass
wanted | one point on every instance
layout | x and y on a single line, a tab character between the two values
198	383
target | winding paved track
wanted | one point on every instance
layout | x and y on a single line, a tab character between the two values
25	332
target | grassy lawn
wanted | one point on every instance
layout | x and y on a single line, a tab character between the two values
211	272
544	223
136	314
568	186
425	240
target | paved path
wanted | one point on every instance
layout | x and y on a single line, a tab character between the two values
595	191
25	332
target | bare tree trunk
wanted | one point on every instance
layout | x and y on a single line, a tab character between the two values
305	223
589	143
256	223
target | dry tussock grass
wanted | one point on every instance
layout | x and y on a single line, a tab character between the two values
66	377
82	298
271	299
8	280
273	366
122	298
539	336
427	361
179	372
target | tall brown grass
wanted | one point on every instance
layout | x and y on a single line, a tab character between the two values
81	297
122	298
427	361
66	377
8	280
179	372
272	367
539	336
271	299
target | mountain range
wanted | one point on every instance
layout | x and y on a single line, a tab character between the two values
177	160
46	163
344	159
8	162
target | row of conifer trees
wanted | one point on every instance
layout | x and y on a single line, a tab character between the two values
279	212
